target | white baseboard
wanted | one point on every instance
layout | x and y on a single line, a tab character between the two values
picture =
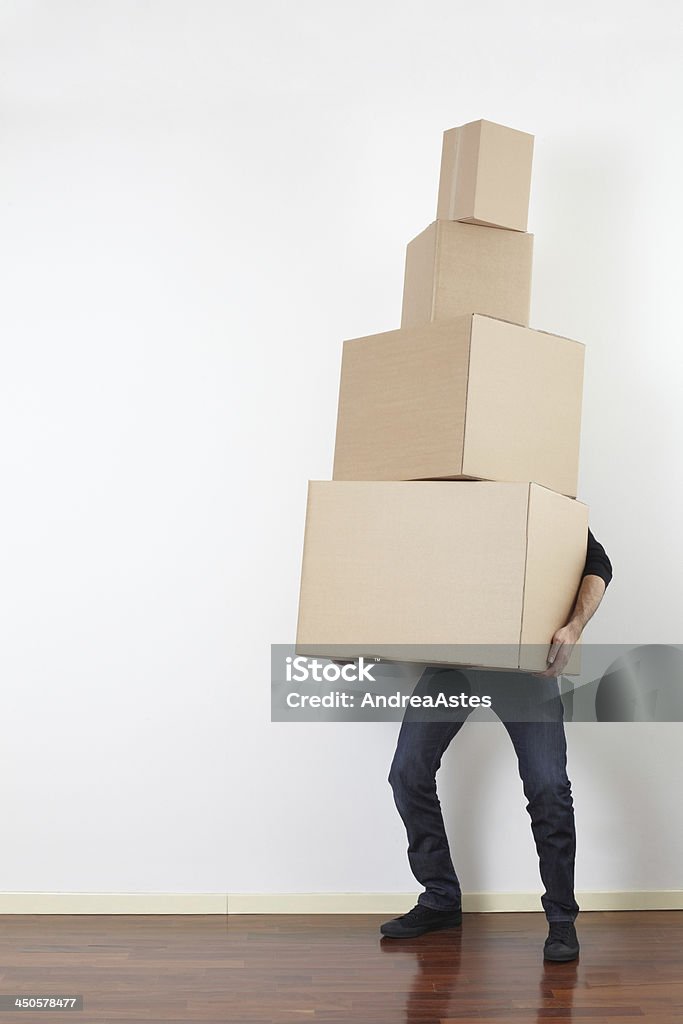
311	902
113	903
473	902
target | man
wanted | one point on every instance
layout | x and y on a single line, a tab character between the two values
541	749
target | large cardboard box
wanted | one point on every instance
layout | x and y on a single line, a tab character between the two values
439	572
452	269
486	175
469	398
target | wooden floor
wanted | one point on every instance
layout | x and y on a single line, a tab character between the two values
257	968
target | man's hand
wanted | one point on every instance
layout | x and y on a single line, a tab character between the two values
560	649
590	594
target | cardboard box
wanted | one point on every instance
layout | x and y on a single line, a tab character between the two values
453	269
469	398
485	175
439	572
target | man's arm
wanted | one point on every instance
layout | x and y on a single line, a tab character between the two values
595	579
590	594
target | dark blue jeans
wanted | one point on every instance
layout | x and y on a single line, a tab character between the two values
531	710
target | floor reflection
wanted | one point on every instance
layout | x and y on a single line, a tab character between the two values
438	963
487	973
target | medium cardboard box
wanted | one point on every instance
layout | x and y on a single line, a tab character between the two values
469	398
486	175
452	269
440	572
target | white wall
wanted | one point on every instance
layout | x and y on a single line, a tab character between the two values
200	201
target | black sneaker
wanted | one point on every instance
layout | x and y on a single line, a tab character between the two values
562	943
420	920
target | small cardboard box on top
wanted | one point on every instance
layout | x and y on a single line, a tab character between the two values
440	572
453	269
469	398
485	175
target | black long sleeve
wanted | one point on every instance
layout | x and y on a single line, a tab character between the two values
597	561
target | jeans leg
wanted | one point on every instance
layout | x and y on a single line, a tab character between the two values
412	777
541	749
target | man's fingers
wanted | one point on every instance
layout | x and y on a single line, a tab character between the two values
562	659
552	671
555	647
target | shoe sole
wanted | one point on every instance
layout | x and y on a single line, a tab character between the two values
413	933
561	959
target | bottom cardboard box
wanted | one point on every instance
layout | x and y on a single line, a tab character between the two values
475	573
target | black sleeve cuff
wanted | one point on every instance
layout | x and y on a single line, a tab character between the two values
597	561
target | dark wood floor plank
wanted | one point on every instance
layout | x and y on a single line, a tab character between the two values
328	969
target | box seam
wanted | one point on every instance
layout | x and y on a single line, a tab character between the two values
467	396
303	559
339	412
477	160
436	270
526	563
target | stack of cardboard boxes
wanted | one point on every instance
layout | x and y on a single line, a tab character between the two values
450	532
